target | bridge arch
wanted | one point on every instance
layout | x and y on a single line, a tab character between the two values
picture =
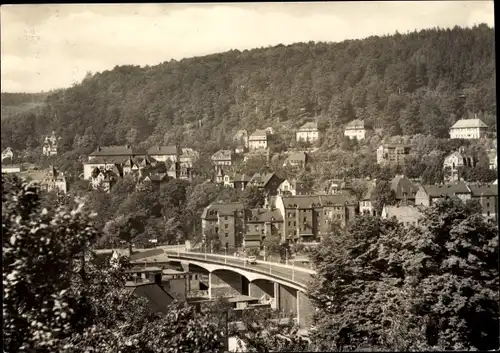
226	278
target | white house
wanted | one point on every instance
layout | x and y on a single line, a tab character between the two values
308	132
454	161
257	140
7	153
468	129
355	130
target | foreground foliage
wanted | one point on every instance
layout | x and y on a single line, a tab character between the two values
434	287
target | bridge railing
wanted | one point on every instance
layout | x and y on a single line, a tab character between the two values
291	278
207	256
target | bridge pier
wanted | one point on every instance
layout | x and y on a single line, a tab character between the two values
259	288
225	282
304	310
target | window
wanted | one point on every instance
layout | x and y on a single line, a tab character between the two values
225	218
294	224
227	235
305	219
289	223
226	226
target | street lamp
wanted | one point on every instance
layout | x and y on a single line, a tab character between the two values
265	255
286	257
225	255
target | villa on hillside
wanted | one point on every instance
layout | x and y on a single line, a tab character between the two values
308	132
50	145
355	130
468	129
223	158
296	159
390	153
454	162
257	140
165	153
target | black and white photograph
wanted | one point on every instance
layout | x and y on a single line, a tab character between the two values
249	177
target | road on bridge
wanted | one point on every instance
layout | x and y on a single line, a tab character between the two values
290	273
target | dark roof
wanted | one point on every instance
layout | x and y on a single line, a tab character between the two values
262	215
355	124
261	180
404	182
157	297
252	237
158	176
108	160
449	190
483	190
116	151
163	150
221	209
306	202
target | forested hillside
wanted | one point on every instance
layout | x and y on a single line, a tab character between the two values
13	104
419	82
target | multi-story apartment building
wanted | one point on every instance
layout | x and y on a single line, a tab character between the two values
468	129
306	218
486	195
165	153
260	223
227	220
257	140
454	162
355	130
308	132
392	153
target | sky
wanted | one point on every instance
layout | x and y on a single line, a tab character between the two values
46	47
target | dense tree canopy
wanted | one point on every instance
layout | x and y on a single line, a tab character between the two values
431	287
405	84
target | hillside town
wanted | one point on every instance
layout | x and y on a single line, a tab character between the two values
279	177
291	209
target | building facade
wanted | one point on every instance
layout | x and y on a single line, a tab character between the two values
355	130
468	129
165	153
306	218
227	220
393	154
308	133
406	215
222	158
296	160
454	162
50	145
404	190
257	140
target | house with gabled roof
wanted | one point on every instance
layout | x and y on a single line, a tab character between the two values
116	152
404	190
235	180
223	158
165	153
487	196
468	129
355	130
105	178
7	153
366	204
296	159
293	188
268	182
407	215
257	140
54	180
454	162
308	132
